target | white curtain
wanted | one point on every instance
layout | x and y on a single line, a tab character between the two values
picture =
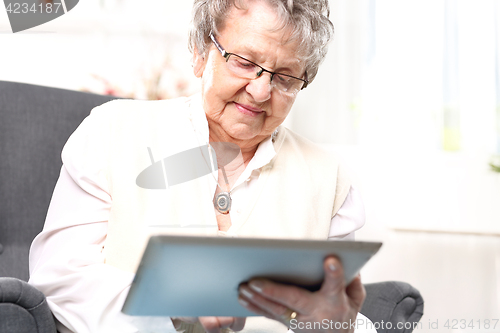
424	72
412	89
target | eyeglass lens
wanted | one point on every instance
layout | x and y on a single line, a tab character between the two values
249	70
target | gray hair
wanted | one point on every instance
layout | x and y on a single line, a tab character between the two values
308	19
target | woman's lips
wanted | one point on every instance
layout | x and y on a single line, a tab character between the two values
248	110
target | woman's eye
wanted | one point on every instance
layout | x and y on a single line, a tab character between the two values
283	80
245	64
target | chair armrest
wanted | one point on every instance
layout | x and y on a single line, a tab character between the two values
23	308
395	302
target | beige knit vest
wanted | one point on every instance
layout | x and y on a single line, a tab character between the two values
297	193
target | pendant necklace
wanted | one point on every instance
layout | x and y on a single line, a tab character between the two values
222	201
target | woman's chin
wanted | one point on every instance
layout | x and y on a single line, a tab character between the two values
243	138
244	132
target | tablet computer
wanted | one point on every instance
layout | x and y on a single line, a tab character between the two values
199	276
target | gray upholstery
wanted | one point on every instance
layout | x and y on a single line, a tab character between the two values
35	122
23	309
397	302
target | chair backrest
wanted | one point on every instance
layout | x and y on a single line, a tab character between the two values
35	123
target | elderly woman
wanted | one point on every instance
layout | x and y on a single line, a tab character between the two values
253	57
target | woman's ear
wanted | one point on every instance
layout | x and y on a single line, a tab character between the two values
199	63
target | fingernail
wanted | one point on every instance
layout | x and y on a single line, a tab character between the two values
332	267
256	285
242	302
246	293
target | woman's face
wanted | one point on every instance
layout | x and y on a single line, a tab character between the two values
240	110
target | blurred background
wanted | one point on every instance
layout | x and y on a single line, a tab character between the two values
409	95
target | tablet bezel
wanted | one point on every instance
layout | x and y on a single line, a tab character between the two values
184	276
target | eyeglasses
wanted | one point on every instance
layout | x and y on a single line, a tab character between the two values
247	69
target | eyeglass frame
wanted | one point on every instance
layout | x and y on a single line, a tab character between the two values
226	55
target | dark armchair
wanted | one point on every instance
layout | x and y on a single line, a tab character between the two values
35	122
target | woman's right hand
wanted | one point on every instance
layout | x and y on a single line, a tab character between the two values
213	324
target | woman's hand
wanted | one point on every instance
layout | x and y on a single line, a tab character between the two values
213	324
333	308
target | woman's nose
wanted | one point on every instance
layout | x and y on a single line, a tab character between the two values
260	88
